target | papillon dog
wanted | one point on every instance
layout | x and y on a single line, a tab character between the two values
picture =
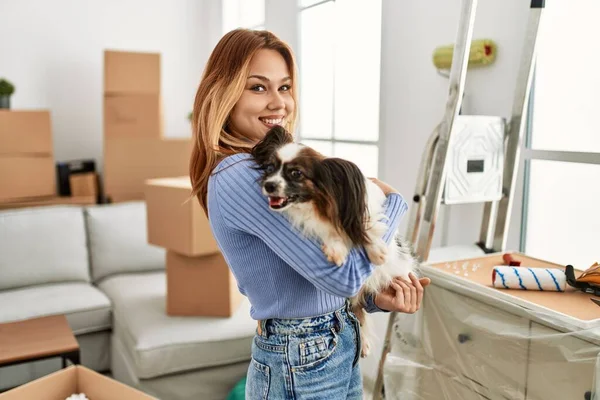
330	199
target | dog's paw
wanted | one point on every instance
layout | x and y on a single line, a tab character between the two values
328	253
365	350
377	252
336	253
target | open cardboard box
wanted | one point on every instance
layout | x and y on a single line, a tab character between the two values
71	380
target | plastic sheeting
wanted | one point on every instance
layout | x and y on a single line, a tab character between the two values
473	341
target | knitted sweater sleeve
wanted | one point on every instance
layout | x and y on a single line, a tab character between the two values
244	209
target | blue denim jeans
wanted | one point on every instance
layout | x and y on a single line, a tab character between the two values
312	358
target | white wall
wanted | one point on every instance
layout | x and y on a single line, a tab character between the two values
53	52
413	97
281	19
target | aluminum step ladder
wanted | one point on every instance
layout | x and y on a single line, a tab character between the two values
470	159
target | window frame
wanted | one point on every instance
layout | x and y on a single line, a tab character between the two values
333	140
529	154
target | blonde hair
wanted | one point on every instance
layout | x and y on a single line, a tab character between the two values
222	85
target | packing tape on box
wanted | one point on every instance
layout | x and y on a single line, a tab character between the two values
526	278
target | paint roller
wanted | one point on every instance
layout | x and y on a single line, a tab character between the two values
514	276
482	53
529	278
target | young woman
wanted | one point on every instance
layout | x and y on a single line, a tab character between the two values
307	342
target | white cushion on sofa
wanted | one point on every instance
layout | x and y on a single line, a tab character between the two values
87	309
159	344
118	240
42	245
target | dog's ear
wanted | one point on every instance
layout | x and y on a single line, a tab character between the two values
346	205
275	138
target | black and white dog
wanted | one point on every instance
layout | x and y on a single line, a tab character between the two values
330	199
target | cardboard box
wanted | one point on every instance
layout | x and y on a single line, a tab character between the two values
25	132
84	185
129	162
131	72
71	380
50	201
26	176
133	115
175	220
200	286
66	169
124	197
26	155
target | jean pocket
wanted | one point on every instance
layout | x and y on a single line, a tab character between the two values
258	380
316	348
269	345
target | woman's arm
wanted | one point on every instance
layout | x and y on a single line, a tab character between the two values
245	209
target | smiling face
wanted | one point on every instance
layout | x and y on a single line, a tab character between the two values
266	100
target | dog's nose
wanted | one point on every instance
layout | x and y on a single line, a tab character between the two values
270	187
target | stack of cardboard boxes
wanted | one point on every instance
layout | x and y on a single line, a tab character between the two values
26	156
134	146
27	169
199	282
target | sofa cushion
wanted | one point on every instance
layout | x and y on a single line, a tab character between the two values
42	245
160	344
213	383
87	309
118	240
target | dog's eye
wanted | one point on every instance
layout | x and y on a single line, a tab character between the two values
269	168
296	174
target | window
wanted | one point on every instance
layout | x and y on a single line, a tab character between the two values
339	61
561	221
243	14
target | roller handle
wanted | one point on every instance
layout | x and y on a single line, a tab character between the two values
538	3
583	286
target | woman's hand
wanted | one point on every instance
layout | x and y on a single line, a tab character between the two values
402	295
387	189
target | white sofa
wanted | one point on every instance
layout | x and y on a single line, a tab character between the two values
94	265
